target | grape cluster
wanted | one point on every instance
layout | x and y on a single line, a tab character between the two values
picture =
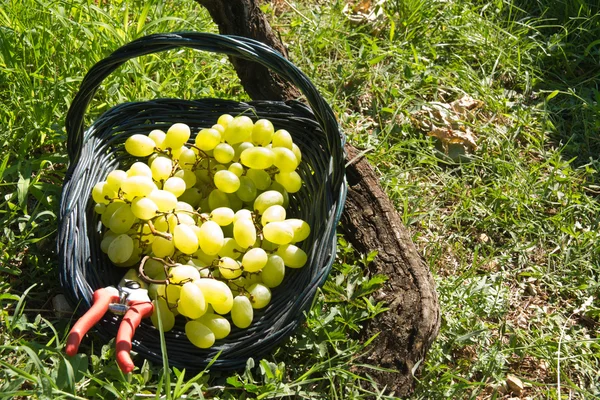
205	221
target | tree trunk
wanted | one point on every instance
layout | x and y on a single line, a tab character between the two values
370	222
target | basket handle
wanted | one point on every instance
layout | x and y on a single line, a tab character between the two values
236	46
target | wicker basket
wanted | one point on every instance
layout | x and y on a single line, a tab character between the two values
99	149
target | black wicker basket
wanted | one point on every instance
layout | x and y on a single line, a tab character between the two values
99	149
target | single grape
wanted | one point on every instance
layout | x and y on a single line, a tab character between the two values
175	185
237	169
122	219
120	249
244	232
292	255
282	138
242	312
165	200
99	192
177	135
139	169
258	157
161	168
247	190
268	199
115	179
242	214
278	232
297	152
154	268
162	247
254	260
208	139
300	227
191	301
210	237
199	334
110	210
291	181
260	177
217	198
187	159
273	214
230	249
217	324
137	186
139	145
262	132
182	273
227	181
219	127
284	159
278	187
223	153
214	291
239	129
158	137
229	268
166	316
260	295
222	215
273	272
108	237
185	239
144	208
224	120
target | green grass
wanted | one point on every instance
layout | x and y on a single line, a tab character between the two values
511	234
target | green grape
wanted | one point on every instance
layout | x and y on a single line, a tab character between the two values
137	186
225	306
191	196
115	179
229	268
254	260
251	279
188	177
238	130
292	255
260	177
223	153
154	268
282	138
235	203
218	198
182	273
262	132
164	199
222	215
177	152
175	185
242	312
242	214
279	232
300	227
268	199
162	247
273	214
158	137
284	159
163	224
244	232
99	192
203	258
210	237
291	181
139	169
107	239
110	210
227	181
224	120
237	169
120	249
297	152
156	290
177	135
172	293
273	272
199	334
230	249
247	190
144	208
208	139
161	168
183	206
260	295
191	301
122	220
257	157
139	145
219	127
167	318
185	239
214	291
217	324
239	149
278	187
146	235
134	258
187	159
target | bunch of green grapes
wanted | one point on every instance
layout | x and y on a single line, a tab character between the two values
206	222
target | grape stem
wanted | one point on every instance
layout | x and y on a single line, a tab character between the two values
146	278
157	233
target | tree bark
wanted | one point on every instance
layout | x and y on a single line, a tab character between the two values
369	222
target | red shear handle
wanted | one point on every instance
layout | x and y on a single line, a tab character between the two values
131	320
102	298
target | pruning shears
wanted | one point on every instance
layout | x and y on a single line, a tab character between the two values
128	299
